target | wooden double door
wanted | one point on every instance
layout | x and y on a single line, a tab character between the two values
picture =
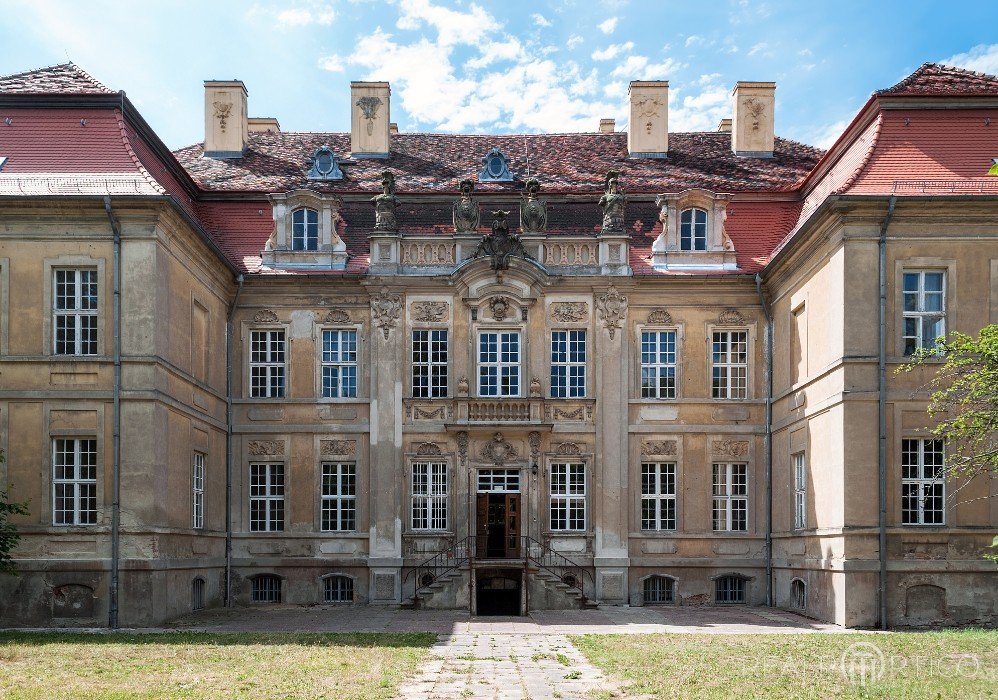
498	531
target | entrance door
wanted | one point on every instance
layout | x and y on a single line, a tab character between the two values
498	525
498	592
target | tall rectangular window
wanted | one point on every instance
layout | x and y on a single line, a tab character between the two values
429	364
923	488
568	364
75	312
339	496
730	497
658	496
267	364
74	481
658	364
800	491
267	497
568	496
924	309
197	491
693	229
499	363
729	364
339	364
429	496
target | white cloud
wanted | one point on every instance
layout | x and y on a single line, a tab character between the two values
608	26
805	53
506	50
825	136
612	51
453	27
982	58
700	111
638	68
761	46
693	40
574	41
320	13
332	63
540	20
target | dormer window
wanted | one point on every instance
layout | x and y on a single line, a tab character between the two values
305	229
693	229
496	167
325	165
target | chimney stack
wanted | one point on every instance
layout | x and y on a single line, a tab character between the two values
265	124
752	128
226	126
724	126
393	128
369	119
607	126
648	128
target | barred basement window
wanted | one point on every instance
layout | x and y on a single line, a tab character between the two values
923	490
267	364
266	589
499	363
658	496
339	364
429	496
659	590
924	310
658	365
197	594
729	367
800	491
266	497
197	491
337	589
339	496
798	594
693	229
429	364
568	364
730	491
75	312
568	496
729	589
74	481
304	229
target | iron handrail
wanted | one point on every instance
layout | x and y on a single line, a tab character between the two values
426	573
569	572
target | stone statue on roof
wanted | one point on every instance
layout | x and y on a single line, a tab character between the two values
612	203
533	214
385	205
500	245
467	218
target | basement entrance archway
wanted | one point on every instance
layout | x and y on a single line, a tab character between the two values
498	592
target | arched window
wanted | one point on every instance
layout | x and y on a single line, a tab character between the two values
729	589
798	594
659	590
693	229
197	594
267	589
337	589
304	229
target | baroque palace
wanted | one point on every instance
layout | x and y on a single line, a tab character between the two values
500	373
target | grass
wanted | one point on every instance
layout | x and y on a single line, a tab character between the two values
201	665
952	664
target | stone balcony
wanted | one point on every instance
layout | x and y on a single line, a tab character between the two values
471	411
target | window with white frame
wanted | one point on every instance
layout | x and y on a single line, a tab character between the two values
693	229
659	590
729	364
197	491
568	364
658	364
800	490
924	309
568	496
499	363
75	312
798	594
267	497
337	589
730	497
339	363
498	481
429	496
266	589
267	368
429	364
729	589
658	496
304	229
923	488
74	481
339	496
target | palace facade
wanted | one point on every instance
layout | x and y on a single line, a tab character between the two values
500	373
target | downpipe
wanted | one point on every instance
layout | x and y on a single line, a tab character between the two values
116	424
227	597
768	440
882	408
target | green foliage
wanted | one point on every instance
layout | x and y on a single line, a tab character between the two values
8	533
965	400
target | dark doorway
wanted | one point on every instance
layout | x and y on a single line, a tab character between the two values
498	593
498	525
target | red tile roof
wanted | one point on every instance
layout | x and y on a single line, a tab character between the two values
65	78
933	79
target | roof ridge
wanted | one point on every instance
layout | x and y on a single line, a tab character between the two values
66	78
929	70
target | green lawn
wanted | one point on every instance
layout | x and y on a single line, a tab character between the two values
200	665
958	664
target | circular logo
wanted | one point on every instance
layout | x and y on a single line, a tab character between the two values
863	663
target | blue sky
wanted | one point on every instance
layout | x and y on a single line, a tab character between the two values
515	66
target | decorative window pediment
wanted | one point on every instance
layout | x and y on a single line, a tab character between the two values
495	167
693	235
306	232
